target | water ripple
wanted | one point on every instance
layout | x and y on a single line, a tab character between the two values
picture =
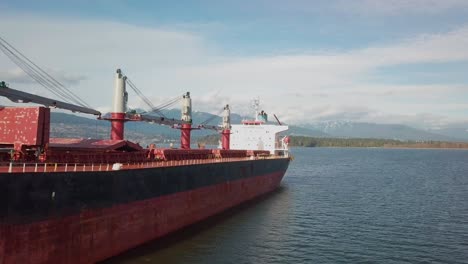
344	206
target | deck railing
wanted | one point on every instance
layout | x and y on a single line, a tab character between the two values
28	167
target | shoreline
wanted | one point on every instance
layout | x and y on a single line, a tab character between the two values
396	147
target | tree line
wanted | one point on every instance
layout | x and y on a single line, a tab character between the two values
303	141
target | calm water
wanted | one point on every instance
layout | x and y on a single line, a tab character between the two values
341	206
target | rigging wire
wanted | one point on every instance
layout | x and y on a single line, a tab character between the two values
139	93
31	72
153	109
142	96
45	75
167	104
39	75
212	118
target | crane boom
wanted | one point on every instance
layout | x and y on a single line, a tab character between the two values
211	127
166	121
154	119
23	97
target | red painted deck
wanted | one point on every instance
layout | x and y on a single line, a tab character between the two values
95	235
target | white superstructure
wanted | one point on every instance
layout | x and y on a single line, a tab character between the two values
257	135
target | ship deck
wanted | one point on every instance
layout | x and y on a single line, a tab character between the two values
28	167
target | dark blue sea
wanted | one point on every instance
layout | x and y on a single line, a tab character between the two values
339	205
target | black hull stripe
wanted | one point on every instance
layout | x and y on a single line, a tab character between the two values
29	197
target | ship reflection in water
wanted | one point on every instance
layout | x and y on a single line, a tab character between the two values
214	240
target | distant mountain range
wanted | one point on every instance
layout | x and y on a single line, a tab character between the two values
344	129
458	130
69	125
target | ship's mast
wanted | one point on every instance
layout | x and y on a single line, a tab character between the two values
226	126
256	106
119	107
186	121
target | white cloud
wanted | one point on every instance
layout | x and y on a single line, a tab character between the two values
16	75
396	7
165	63
449	46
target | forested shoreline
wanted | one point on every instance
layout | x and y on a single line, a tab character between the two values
302	141
371	142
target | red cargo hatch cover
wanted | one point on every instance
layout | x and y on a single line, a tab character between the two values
92	144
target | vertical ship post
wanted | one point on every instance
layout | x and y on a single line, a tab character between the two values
119	107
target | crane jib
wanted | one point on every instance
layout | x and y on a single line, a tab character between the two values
23	97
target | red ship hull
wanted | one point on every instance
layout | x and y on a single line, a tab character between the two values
97	234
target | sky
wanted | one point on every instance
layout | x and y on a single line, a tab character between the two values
381	61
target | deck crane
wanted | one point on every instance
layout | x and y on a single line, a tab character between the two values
119	114
23	97
184	124
224	129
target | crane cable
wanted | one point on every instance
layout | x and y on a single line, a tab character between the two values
167	104
39	75
212	118
141	95
43	75
153	109
31	72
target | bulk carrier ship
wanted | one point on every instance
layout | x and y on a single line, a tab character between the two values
68	200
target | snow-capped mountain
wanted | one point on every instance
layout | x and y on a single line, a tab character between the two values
346	129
